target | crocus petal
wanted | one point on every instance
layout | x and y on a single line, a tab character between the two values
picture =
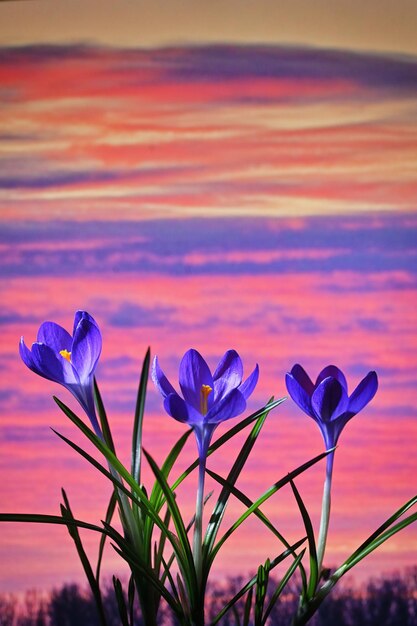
231	405
27	358
302	378
54	336
329	400
80	315
48	364
228	374
334	372
160	380
363	393
194	373
86	348
177	408
247	387
299	394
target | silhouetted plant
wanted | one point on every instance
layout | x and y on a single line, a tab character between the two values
72	606
8	608
389	601
34	610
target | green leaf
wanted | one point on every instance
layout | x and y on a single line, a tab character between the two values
138	421
127	552
220	507
267	494
281	586
370	547
249	585
247	609
121	604
314	571
167	574
109	516
105	427
157	495
37	518
261	516
137	494
75	535
131	599
160	544
383	527
188	571
159	548
138	567
261	590
116	481
184	600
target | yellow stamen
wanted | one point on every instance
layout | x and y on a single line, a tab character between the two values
204	394
66	355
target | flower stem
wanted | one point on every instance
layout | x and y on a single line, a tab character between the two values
198	524
325	512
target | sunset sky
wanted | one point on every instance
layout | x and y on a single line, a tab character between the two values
210	175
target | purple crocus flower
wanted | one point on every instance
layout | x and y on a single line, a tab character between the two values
327	401
70	361
208	398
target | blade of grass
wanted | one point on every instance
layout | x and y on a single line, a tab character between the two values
249	585
159	547
247	609
121	604
168	564
104	423
262	578
74	534
283	583
265	496
66	513
109	516
311	607
167	574
383	527
183	599
131	599
137	566
314	572
189	572
261	516
126	514
157	496
137	494
379	540
220	506
138	420
129	556
38	518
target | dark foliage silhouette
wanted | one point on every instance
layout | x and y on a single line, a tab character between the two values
389	601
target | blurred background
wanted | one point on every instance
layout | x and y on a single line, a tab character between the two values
210	175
